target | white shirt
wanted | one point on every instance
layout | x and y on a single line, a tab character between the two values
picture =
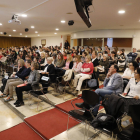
94	59
110	81
134	88
128	72
45	70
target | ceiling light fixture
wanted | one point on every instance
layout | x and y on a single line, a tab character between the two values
9	35
26	36
1	32
20	33
32	27
55	33
23	15
14	30
38	35
0	23
121	12
36	32
56	29
63	21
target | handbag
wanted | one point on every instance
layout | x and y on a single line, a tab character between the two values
92	83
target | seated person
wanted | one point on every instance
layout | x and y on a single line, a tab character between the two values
54	55
103	64
60	61
16	79
45	62
31	84
112	84
64	55
36	61
133	91
113	58
121	58
42	59
138	58
129	72
84	54
49	70
86	73
69	63
77	65
94	59
132	55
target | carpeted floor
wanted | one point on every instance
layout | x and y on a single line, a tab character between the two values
50	123
19	132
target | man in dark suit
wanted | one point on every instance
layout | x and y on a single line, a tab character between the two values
94	59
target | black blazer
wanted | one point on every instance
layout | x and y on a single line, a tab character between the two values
71	65
51	70
95	62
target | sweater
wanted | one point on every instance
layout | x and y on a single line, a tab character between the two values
77	67
87	68
23	72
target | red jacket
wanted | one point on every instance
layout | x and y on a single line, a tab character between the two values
88	65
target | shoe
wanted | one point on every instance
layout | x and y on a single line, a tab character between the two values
125	124
8	99
19	104
2	95
80	105
75	93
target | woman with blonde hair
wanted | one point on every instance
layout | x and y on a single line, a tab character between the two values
77	65
69	63
86	73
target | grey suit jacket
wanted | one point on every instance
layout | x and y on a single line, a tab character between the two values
34	79
116	84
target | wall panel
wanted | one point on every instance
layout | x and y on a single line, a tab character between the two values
14	41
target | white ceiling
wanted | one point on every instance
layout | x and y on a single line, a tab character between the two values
47	16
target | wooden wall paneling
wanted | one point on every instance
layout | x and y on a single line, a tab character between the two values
69	39
14	41
75	42
92	42
120	42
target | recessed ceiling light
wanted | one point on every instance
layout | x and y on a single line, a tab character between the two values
32	27
1	32
55	33
38	35
121	12
24	15
63	21
9	35
20	33
36	32
14	30
56	29
26	36
139	20
0	23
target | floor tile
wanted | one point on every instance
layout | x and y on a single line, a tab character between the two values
8	118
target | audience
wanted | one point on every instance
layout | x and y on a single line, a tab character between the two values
121	58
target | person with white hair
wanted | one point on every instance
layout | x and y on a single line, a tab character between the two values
49	69
103	64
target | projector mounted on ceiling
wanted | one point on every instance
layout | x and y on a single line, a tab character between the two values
15	18
82	7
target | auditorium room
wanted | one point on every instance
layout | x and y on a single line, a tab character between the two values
70	70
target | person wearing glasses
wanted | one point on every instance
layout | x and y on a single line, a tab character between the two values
129	72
